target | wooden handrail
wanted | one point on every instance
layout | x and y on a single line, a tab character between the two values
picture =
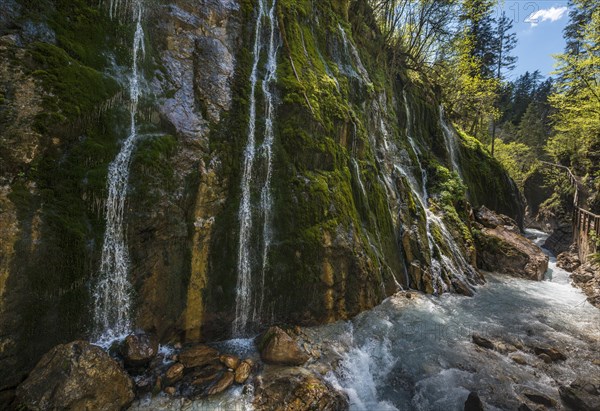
583	220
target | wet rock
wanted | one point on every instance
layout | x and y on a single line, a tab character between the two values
473	402
490	219
501	248
170	391
553	353
139	349
243	371
546	358
205	376
222	384
144	384
77	375
519	359
297	389
277	347
583	394
568	261
230	361
174	373
198	356
482	342
538	397
587	277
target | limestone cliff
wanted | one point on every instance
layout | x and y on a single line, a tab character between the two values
370	188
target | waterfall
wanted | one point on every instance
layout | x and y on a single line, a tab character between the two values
450	141
414	147
112	295
244	297
267	149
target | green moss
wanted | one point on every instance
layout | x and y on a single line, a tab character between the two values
76	91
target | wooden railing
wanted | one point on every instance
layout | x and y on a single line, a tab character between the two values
584	221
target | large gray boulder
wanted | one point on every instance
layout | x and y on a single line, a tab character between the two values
76	376
502	248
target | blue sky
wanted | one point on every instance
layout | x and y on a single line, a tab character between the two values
539	26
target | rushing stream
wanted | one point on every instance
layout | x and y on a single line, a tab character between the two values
417	353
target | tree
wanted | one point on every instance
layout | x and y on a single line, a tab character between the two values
576	100
503	41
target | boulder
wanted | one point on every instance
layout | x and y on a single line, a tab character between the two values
243	371
277	347
297	389
473	402
230	361
582	394
568	261
222	384
553	353
198	356
587	277
174	373
538	397
76	376
501	248
139	349
490	219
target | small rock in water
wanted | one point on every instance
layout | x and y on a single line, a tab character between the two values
408	295
473	402
139	349
519	359
198	356
243	371
546	358
538	397
553	353
222	384
277	347
170	391
174	373
482	342
230	361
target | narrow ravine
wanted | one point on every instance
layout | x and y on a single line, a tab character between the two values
112	294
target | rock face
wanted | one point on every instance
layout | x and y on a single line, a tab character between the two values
346	215
502	248
587	277
297	389
277	347
76	376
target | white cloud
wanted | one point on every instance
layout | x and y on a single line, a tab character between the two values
552	14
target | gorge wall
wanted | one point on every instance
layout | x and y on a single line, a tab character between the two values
331	186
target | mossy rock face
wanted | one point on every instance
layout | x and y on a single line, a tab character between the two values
348	223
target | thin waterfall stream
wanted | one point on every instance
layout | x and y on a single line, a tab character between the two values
245	298
112	294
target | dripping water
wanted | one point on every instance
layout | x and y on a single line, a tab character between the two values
450	141
112	296
244	297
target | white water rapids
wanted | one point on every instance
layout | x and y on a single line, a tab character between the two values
417	354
